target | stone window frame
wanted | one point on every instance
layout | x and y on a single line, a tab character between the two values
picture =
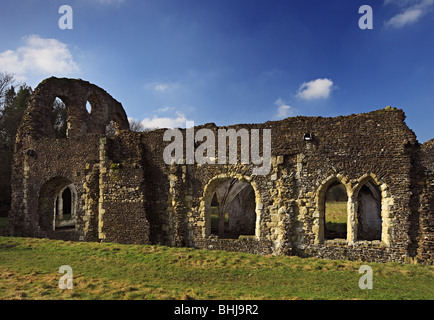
58	201
386	204
205	203
352	206
318	222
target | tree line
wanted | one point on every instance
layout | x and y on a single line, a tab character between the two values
14	99
13	103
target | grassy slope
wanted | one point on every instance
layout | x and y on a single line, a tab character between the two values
29	270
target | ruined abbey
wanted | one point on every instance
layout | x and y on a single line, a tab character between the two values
94	186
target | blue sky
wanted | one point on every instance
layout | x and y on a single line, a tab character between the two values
232	61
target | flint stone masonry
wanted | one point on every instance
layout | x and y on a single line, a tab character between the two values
126	193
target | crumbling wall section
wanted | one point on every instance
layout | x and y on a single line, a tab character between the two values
44	165
75	94
354	150
425	248
127	193
122	215
41	169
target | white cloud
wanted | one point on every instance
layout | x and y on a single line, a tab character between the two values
162	86
315	89
413	10
38	55
166	109
407	17
10	62
283	110
165	122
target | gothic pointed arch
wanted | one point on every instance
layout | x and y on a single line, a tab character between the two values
230	208
331	220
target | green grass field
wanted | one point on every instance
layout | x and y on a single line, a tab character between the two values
29	270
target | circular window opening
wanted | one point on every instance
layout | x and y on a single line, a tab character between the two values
88	107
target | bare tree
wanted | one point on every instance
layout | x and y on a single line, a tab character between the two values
6	80
136	125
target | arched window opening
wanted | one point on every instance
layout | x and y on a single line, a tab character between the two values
233	210
335	215
65	207
59	118
369	221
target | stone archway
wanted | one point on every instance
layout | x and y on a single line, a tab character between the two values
319	227
335	211
369	220
372	209
52	197
65	208
230	208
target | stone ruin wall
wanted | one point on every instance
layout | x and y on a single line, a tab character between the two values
127	194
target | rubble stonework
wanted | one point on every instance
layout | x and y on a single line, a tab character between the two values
121	190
